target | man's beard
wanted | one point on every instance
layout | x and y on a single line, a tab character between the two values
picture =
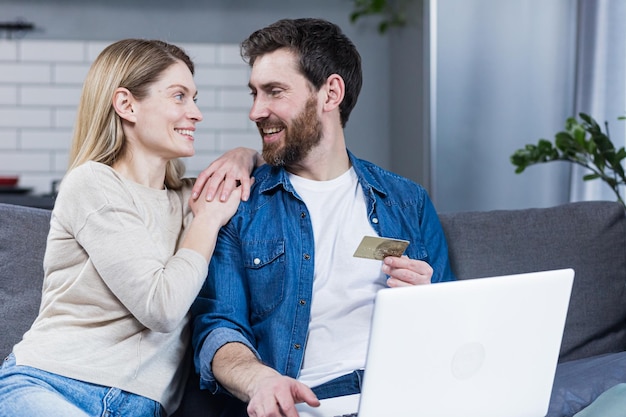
301	135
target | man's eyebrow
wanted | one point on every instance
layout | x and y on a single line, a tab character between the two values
268	85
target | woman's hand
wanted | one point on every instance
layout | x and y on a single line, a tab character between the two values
219	210
222	176
209	217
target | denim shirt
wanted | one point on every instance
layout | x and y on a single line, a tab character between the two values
259	287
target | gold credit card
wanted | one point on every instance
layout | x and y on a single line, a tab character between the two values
373	247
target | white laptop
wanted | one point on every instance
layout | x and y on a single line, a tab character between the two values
485	347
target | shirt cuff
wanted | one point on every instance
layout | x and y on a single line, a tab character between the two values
215	340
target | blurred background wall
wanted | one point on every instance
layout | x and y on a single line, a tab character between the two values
446	99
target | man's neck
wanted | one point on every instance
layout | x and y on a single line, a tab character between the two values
322	164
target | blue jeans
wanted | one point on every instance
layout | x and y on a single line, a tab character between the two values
343	385
30	392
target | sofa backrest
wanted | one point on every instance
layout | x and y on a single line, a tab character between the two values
587	236
23	233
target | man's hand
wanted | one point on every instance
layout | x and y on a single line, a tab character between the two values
277	395
227	172
404	271
268	393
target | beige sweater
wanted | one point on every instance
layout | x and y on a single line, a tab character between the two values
116	292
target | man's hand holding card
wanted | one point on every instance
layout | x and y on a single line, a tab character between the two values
402	270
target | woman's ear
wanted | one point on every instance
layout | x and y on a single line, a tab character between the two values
123	102
335	89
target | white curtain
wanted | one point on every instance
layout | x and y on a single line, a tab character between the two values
600	81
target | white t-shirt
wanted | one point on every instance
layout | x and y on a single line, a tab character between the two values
344	287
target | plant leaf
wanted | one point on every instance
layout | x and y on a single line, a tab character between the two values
583	143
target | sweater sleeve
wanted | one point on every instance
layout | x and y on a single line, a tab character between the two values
130	247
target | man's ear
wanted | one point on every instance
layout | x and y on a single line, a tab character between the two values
335	89
123	102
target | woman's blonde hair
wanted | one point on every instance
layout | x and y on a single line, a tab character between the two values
133	64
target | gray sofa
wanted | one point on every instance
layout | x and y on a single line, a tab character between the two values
589	237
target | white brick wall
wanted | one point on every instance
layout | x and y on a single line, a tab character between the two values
40	83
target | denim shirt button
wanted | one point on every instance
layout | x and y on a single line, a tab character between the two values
256	261
302	215
302	302
307	256
297	346
375	220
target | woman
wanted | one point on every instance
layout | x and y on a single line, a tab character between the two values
128	249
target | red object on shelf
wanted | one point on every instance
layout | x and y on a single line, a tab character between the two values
8	181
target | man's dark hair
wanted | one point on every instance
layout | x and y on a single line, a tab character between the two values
323	50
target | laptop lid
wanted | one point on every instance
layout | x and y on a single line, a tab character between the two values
485	347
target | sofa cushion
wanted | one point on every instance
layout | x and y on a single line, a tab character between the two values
23	233
589	237
578	383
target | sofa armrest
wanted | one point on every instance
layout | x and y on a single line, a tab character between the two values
23	234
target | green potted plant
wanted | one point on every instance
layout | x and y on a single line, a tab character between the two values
584	143
392	13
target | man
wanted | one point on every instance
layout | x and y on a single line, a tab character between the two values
286	305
